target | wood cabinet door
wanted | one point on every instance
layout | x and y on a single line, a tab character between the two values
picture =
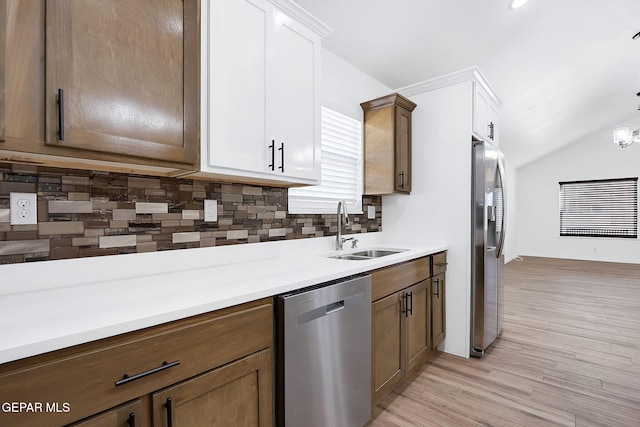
387	336
122	77
402	150
22	87
127	415
418	323
438	314
239	394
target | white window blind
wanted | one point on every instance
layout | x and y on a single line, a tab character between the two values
341	176
601	208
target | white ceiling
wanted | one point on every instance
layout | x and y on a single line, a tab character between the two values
565	70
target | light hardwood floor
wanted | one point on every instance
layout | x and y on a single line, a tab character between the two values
569	355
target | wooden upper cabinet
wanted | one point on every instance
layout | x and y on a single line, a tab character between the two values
122	77
387	145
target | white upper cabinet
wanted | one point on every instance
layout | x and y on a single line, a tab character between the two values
260	92
485	114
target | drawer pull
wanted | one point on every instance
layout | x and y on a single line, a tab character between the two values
132	420
165	365
441	264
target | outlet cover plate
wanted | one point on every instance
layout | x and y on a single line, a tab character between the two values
210	210
371	212
24	208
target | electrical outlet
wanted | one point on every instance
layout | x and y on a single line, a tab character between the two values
371	212
210	210
24	208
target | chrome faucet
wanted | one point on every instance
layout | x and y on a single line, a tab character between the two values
341	213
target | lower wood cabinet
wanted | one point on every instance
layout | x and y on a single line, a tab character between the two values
129	414
211	369
387	345
235	395
407	320
438	314
418	319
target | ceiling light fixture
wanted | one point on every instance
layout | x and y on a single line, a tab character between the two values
624	137
517	3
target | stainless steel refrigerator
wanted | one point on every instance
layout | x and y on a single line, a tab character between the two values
487	259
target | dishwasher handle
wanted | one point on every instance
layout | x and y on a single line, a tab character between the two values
332	308
328	309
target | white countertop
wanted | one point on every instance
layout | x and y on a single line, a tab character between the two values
51	305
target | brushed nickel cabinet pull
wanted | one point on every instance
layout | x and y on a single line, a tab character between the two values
165	365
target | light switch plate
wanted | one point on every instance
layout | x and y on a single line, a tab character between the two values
371	212
24	208
210	210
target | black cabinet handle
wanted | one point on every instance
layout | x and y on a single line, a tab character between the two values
169	406
437	294
165	365
61	114
132	420
408	304
441	264
281	149
491	126
405	304
273	154
401	179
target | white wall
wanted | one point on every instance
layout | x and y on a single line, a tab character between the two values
344	87
438	211
538	221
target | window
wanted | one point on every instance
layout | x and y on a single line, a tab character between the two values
341	176
602	208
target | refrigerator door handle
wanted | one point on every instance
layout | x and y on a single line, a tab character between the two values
504	208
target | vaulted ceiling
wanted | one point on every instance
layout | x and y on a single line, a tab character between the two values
565	70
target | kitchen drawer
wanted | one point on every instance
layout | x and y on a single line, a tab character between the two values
84	377
397	277
439	263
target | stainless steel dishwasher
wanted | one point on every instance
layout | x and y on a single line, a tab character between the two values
323	355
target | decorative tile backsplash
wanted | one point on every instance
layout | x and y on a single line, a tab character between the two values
88	213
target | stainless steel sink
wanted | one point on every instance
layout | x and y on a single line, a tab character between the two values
368	254
377	253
